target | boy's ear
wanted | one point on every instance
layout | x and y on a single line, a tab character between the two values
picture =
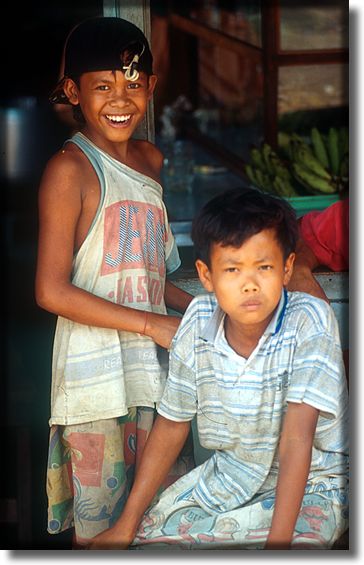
71	91
152	81
288	268
204	275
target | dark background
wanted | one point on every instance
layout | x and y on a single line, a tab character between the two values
31	45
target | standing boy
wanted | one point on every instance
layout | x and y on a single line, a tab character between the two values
105	247
262	369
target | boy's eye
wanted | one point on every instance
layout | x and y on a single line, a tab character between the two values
265	267
102	87
232	270
134	85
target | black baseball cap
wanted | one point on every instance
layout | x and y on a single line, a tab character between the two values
98	44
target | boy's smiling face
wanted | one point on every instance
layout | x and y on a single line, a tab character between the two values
248	280
112	105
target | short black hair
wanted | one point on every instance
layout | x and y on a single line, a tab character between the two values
237	214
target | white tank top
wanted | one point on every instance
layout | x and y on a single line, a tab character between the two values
99	373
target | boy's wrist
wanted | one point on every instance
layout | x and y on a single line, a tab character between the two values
127	528
148	324
143	332
279	538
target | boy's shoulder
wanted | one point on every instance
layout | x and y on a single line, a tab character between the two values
310	310
69	163
303	299
197	315
148	154
202	303
199	311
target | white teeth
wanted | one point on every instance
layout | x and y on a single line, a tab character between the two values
123	118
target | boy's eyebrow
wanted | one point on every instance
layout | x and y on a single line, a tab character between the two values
233	261
265	259
109	77
102	78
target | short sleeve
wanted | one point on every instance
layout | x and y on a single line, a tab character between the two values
318	375
179	398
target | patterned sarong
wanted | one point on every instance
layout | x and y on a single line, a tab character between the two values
91	469
176	521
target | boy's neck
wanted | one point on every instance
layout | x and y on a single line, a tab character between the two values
243	339
118	151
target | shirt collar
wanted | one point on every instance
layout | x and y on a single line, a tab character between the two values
210	330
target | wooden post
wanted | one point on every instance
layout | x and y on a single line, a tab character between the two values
137	12
271	47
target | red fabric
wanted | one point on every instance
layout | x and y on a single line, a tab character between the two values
326	232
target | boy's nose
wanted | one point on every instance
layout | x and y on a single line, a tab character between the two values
249	286
120	97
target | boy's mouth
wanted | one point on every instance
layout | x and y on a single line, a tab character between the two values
252	304
122	119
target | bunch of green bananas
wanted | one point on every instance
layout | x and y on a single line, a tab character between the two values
321	164
308	169
269	172
332	150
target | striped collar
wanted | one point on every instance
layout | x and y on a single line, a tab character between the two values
211	329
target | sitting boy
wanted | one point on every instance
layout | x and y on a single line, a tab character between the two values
263	370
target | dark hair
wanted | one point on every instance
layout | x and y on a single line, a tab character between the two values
103	43
236	215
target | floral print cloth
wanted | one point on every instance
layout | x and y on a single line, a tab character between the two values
91	469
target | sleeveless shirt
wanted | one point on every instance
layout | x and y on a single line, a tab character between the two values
99	373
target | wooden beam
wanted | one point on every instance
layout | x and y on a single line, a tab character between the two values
271	46
322	57
216	37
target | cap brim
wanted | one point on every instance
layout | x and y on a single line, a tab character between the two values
58	96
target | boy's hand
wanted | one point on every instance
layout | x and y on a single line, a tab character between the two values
162	328
110	539
270	544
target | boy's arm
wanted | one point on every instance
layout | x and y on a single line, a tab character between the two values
302	278
162	448
295	451
61	204
176	298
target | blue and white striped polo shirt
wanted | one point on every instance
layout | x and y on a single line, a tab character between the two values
240	403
